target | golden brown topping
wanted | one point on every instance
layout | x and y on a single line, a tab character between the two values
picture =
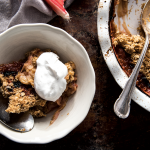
71	71
134	45
131	44
26	75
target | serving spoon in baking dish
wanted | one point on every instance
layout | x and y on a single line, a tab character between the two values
122	104
22	122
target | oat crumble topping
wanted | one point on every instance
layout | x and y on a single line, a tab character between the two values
133	45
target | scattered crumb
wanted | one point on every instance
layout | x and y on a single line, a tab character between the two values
129	11
23	129
142	5
100	5
140	30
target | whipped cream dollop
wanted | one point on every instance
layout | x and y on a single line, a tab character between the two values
49	80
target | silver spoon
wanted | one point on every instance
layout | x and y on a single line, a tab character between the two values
122	104
22	122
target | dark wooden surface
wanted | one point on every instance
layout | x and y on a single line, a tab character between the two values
102	129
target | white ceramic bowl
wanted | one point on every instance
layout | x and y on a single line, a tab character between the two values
132	20
21	38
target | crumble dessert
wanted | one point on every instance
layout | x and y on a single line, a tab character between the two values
127	49
17	84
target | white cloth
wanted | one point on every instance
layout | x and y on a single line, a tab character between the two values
14	12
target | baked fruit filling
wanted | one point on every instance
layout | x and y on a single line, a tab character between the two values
17	84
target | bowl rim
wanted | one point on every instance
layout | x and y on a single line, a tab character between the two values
93	86
108	54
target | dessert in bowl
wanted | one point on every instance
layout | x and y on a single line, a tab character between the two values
21	39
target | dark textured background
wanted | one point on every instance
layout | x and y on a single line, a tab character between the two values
102	129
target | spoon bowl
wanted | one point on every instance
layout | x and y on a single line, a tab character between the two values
22	122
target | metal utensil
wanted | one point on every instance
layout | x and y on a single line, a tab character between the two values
122	104
22	122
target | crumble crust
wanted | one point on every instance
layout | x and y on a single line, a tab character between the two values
133	45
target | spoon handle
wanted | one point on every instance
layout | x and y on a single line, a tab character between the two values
122	104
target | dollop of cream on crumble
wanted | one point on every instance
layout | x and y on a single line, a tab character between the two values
49	80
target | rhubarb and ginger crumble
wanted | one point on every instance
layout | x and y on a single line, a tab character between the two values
128	47
17	84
